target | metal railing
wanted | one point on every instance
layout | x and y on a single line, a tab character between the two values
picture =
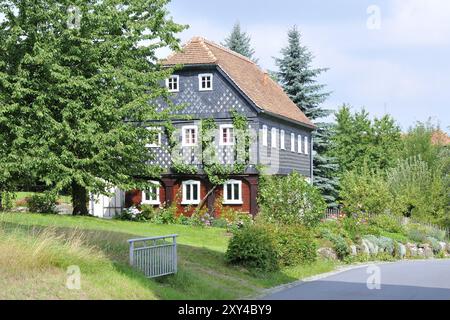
156	256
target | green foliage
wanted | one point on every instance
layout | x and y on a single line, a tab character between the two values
295	245
239	42
7	200
43	202
418	189
340	245
365	192
253	247
359	142
434	244
71	96
278	203
387	222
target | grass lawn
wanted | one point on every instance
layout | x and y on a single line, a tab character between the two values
35	251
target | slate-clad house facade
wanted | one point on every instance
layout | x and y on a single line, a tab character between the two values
212	82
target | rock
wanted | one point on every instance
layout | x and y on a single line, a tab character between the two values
401	251
327	253
448	247
420	253
353	250
443	246
19	209
364	248
373	247
412	249
427	251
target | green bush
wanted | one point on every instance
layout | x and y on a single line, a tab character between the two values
365	192
43	202
294	244
148	213
340	245
7	199
220	223
386	245
434	244
387	223
290	199
183	220
253	247
165	215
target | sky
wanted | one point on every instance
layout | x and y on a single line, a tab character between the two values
386	56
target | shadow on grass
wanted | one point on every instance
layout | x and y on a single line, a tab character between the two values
202	273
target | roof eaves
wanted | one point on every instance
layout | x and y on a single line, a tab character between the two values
279	116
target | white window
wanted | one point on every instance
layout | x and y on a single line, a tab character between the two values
299	138
292	142
264	136
205	81
232	192
274	138
226	135
282	143
155	139
191	192
190	136
173	84
151	194
306	145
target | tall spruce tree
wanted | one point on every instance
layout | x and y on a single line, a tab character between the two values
239	41
298	79
76	79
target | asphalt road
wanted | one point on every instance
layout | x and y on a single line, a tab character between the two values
405	280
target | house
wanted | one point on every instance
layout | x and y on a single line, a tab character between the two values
213	83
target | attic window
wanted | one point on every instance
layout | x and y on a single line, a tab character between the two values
205	81
173	84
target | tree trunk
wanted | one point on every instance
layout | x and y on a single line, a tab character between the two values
1	201
79	200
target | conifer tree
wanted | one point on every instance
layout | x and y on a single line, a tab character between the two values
239	41
299	80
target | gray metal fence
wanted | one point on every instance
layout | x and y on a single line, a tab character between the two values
156	256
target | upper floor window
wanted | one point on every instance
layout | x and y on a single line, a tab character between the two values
232	192
292	142
191	192
282	142
205	81
226	135
173	84
274	138
190	136
155	138
264	136
151	194
299	138
306	145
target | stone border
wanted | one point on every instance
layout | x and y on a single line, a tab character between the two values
338	270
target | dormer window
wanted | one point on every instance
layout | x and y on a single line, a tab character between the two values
205	81
173	84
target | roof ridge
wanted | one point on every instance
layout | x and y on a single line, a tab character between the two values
218	46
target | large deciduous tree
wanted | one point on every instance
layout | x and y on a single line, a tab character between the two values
299	80
76	78
240	42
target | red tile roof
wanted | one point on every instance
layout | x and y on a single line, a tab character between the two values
256	84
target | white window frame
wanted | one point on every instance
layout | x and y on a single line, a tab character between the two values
183	134
177	78
306	145
225	192
156	201
155	145
264	135
191	201
299	144
200	82
274	138
293	142
282	141
230	129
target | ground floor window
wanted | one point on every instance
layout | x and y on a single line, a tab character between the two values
232	192
191	192
151	194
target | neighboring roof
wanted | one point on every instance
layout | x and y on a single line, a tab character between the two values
440	138
256	84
